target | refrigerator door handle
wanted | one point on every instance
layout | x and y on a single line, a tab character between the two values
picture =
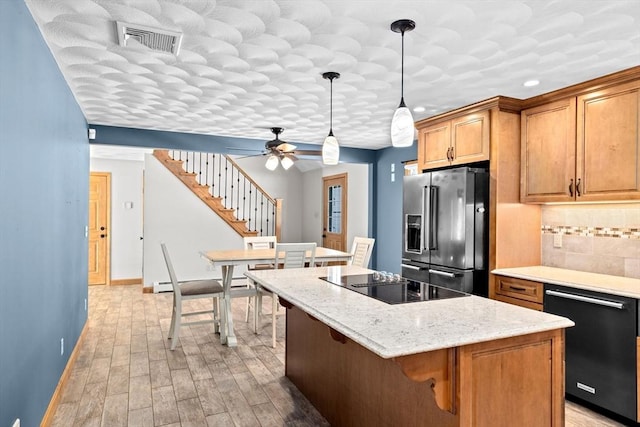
432	239
426	206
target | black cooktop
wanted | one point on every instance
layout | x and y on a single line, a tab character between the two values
393	290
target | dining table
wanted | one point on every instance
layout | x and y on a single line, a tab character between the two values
229	258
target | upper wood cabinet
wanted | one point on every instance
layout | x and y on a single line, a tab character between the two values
548	152
457	141
584	148
608	144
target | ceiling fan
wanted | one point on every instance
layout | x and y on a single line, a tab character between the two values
281	152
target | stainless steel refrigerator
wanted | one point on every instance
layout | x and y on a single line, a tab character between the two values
445	223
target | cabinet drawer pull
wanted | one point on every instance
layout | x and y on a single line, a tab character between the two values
571	187
517	288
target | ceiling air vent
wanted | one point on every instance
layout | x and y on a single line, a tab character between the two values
153	38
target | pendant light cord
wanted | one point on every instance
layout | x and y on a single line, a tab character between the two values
331	110
402	71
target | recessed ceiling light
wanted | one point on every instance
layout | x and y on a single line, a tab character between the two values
530	83
419	109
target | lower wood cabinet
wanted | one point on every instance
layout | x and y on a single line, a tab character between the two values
525	293
517	381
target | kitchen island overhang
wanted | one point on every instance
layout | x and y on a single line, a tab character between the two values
447	346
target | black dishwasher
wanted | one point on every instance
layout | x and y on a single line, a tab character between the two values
600	348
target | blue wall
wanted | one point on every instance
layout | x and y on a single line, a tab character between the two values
44	170
44	173
388	207
113	135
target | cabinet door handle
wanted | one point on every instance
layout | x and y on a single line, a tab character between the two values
571	187
453	154
578	188
448	154
583	298
517	288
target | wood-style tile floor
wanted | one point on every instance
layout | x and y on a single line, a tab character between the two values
125	374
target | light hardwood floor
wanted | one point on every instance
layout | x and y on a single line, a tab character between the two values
125	374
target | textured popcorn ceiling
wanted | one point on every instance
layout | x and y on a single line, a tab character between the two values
246	65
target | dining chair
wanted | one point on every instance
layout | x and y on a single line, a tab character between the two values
361	251
288	255
189	290
257	242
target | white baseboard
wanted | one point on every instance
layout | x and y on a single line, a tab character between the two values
162	287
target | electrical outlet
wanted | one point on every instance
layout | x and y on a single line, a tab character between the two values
16	423
61	346
557	240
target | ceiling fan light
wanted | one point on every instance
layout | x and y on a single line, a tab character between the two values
330	150
402	128
286	163
272	163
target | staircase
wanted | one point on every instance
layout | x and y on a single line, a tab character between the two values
223	186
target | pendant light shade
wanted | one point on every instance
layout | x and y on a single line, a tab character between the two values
402	128
330	146
272	163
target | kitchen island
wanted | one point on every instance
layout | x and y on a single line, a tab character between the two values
452	362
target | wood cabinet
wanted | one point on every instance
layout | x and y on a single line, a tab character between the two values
504	382
524	293
583	148
460	140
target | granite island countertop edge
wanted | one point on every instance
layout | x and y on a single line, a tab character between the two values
393	330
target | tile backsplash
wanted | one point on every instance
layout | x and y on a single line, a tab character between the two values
596	238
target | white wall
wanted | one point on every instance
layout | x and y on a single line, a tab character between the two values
126	224
172	214
177	217
280	184
357	201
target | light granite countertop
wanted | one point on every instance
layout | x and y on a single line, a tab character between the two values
391	330
616	285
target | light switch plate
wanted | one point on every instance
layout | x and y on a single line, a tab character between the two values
557	240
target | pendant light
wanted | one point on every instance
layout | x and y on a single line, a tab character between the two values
402	128
330	147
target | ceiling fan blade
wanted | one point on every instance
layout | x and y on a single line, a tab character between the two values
243	149
285	147
307	152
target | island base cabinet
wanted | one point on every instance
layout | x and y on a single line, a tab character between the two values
513	381
351	386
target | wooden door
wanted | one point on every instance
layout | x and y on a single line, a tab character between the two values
434	143
470	138
548	158
608	148
334	222
99	228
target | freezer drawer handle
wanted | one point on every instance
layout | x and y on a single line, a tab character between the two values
590	300
443	273
411	267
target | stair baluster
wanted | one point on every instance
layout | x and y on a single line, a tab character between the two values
233	195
